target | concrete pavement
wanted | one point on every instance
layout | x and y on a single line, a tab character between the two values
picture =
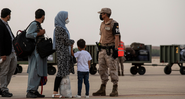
153	85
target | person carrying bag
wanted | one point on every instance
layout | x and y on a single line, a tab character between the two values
44	45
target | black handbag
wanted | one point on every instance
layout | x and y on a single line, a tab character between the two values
45	47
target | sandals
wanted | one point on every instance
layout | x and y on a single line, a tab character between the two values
53	96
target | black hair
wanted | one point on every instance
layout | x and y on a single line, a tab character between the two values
108	15
39	13
81	43
119	37
5	12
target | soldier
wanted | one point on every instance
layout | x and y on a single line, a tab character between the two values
109	31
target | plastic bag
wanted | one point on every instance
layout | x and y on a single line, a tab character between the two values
65	87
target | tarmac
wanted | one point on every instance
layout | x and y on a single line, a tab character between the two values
154	84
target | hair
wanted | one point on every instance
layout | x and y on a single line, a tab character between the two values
5	12
119	37
108	15
39	13
81	43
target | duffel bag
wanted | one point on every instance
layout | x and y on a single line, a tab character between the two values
45	47
137	46
130	54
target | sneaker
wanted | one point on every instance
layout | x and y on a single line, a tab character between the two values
6	94
86	96
39	95
77	96
31	94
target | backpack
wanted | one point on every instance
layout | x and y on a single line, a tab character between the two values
23	46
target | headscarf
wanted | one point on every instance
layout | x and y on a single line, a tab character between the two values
60	22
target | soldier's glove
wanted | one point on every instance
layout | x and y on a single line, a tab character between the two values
99	46
115	53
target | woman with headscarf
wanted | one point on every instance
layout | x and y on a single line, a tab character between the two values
63	46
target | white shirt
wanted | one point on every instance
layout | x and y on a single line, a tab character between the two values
82	60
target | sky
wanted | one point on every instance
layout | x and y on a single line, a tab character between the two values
152	22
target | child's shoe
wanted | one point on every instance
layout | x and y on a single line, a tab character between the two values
86	96
77	96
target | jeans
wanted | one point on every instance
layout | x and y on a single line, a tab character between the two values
81	76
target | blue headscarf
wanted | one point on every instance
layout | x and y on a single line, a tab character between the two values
60	22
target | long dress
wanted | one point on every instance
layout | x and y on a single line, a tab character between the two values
37	67
64	59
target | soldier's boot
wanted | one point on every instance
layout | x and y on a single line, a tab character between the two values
114	92
101	91
119	73
122	73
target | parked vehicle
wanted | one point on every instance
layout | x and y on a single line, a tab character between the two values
171	54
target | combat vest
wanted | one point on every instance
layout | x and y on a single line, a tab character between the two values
107	36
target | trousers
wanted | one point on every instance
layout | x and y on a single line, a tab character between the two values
120	61
83	76
107	61
7	69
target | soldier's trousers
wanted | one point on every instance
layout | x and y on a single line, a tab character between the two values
105	61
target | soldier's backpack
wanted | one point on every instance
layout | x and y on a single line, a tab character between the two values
137	46
23	46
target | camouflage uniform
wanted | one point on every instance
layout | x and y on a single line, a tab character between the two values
105	61
108	31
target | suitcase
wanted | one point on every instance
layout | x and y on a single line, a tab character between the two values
143	55
137	46
182	54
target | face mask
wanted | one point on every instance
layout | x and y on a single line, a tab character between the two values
101	17
67	21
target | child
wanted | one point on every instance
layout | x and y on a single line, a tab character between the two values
83	65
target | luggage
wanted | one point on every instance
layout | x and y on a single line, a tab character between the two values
45	47
182	54
65	87
130	54
23	46
143	55
137	46
43	81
